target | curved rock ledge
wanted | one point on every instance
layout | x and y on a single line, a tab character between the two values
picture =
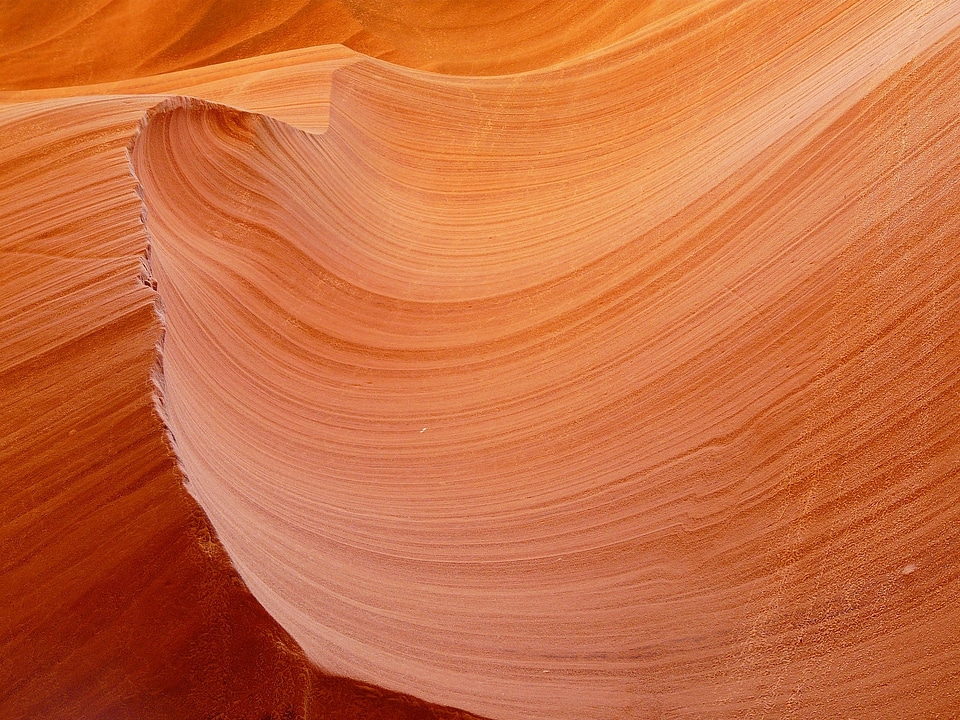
478	424
623	387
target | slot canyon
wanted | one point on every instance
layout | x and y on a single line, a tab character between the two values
508	361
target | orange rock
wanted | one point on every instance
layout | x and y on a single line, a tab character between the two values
622	387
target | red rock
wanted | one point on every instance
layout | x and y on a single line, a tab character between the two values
622	387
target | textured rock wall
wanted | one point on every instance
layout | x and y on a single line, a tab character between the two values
625	386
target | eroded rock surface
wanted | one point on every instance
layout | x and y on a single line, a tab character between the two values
625	386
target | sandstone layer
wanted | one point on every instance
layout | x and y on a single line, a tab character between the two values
623	385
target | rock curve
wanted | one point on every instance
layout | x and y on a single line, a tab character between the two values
471	422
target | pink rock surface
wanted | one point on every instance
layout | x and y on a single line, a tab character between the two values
624	387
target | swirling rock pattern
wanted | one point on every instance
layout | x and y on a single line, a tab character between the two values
625	386
116	599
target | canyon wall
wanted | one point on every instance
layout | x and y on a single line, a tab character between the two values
533	362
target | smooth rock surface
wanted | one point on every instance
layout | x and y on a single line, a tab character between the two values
624	386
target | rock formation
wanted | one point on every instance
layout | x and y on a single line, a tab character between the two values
536	362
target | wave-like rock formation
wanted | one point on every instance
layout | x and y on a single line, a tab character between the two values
116	599
625	386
